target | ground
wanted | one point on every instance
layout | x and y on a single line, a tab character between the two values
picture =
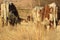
28	31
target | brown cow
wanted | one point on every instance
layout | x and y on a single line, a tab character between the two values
46	12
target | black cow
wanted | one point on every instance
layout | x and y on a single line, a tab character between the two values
13	16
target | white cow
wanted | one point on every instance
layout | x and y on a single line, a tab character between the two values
53	13
36	14
4	11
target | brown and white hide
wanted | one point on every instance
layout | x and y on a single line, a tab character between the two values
53	12
46	12
54	9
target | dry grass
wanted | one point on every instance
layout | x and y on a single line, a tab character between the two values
23	31
27	31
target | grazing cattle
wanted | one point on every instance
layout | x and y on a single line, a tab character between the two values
4	12
46	11
46	14
53	13
13	17
37	12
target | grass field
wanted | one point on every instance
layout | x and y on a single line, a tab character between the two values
28	31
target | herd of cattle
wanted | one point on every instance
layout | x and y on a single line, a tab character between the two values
47	15
9	14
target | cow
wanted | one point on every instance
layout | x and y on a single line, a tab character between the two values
13	16
53	13
37	12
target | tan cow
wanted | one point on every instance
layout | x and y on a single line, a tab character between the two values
37	14
4	11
